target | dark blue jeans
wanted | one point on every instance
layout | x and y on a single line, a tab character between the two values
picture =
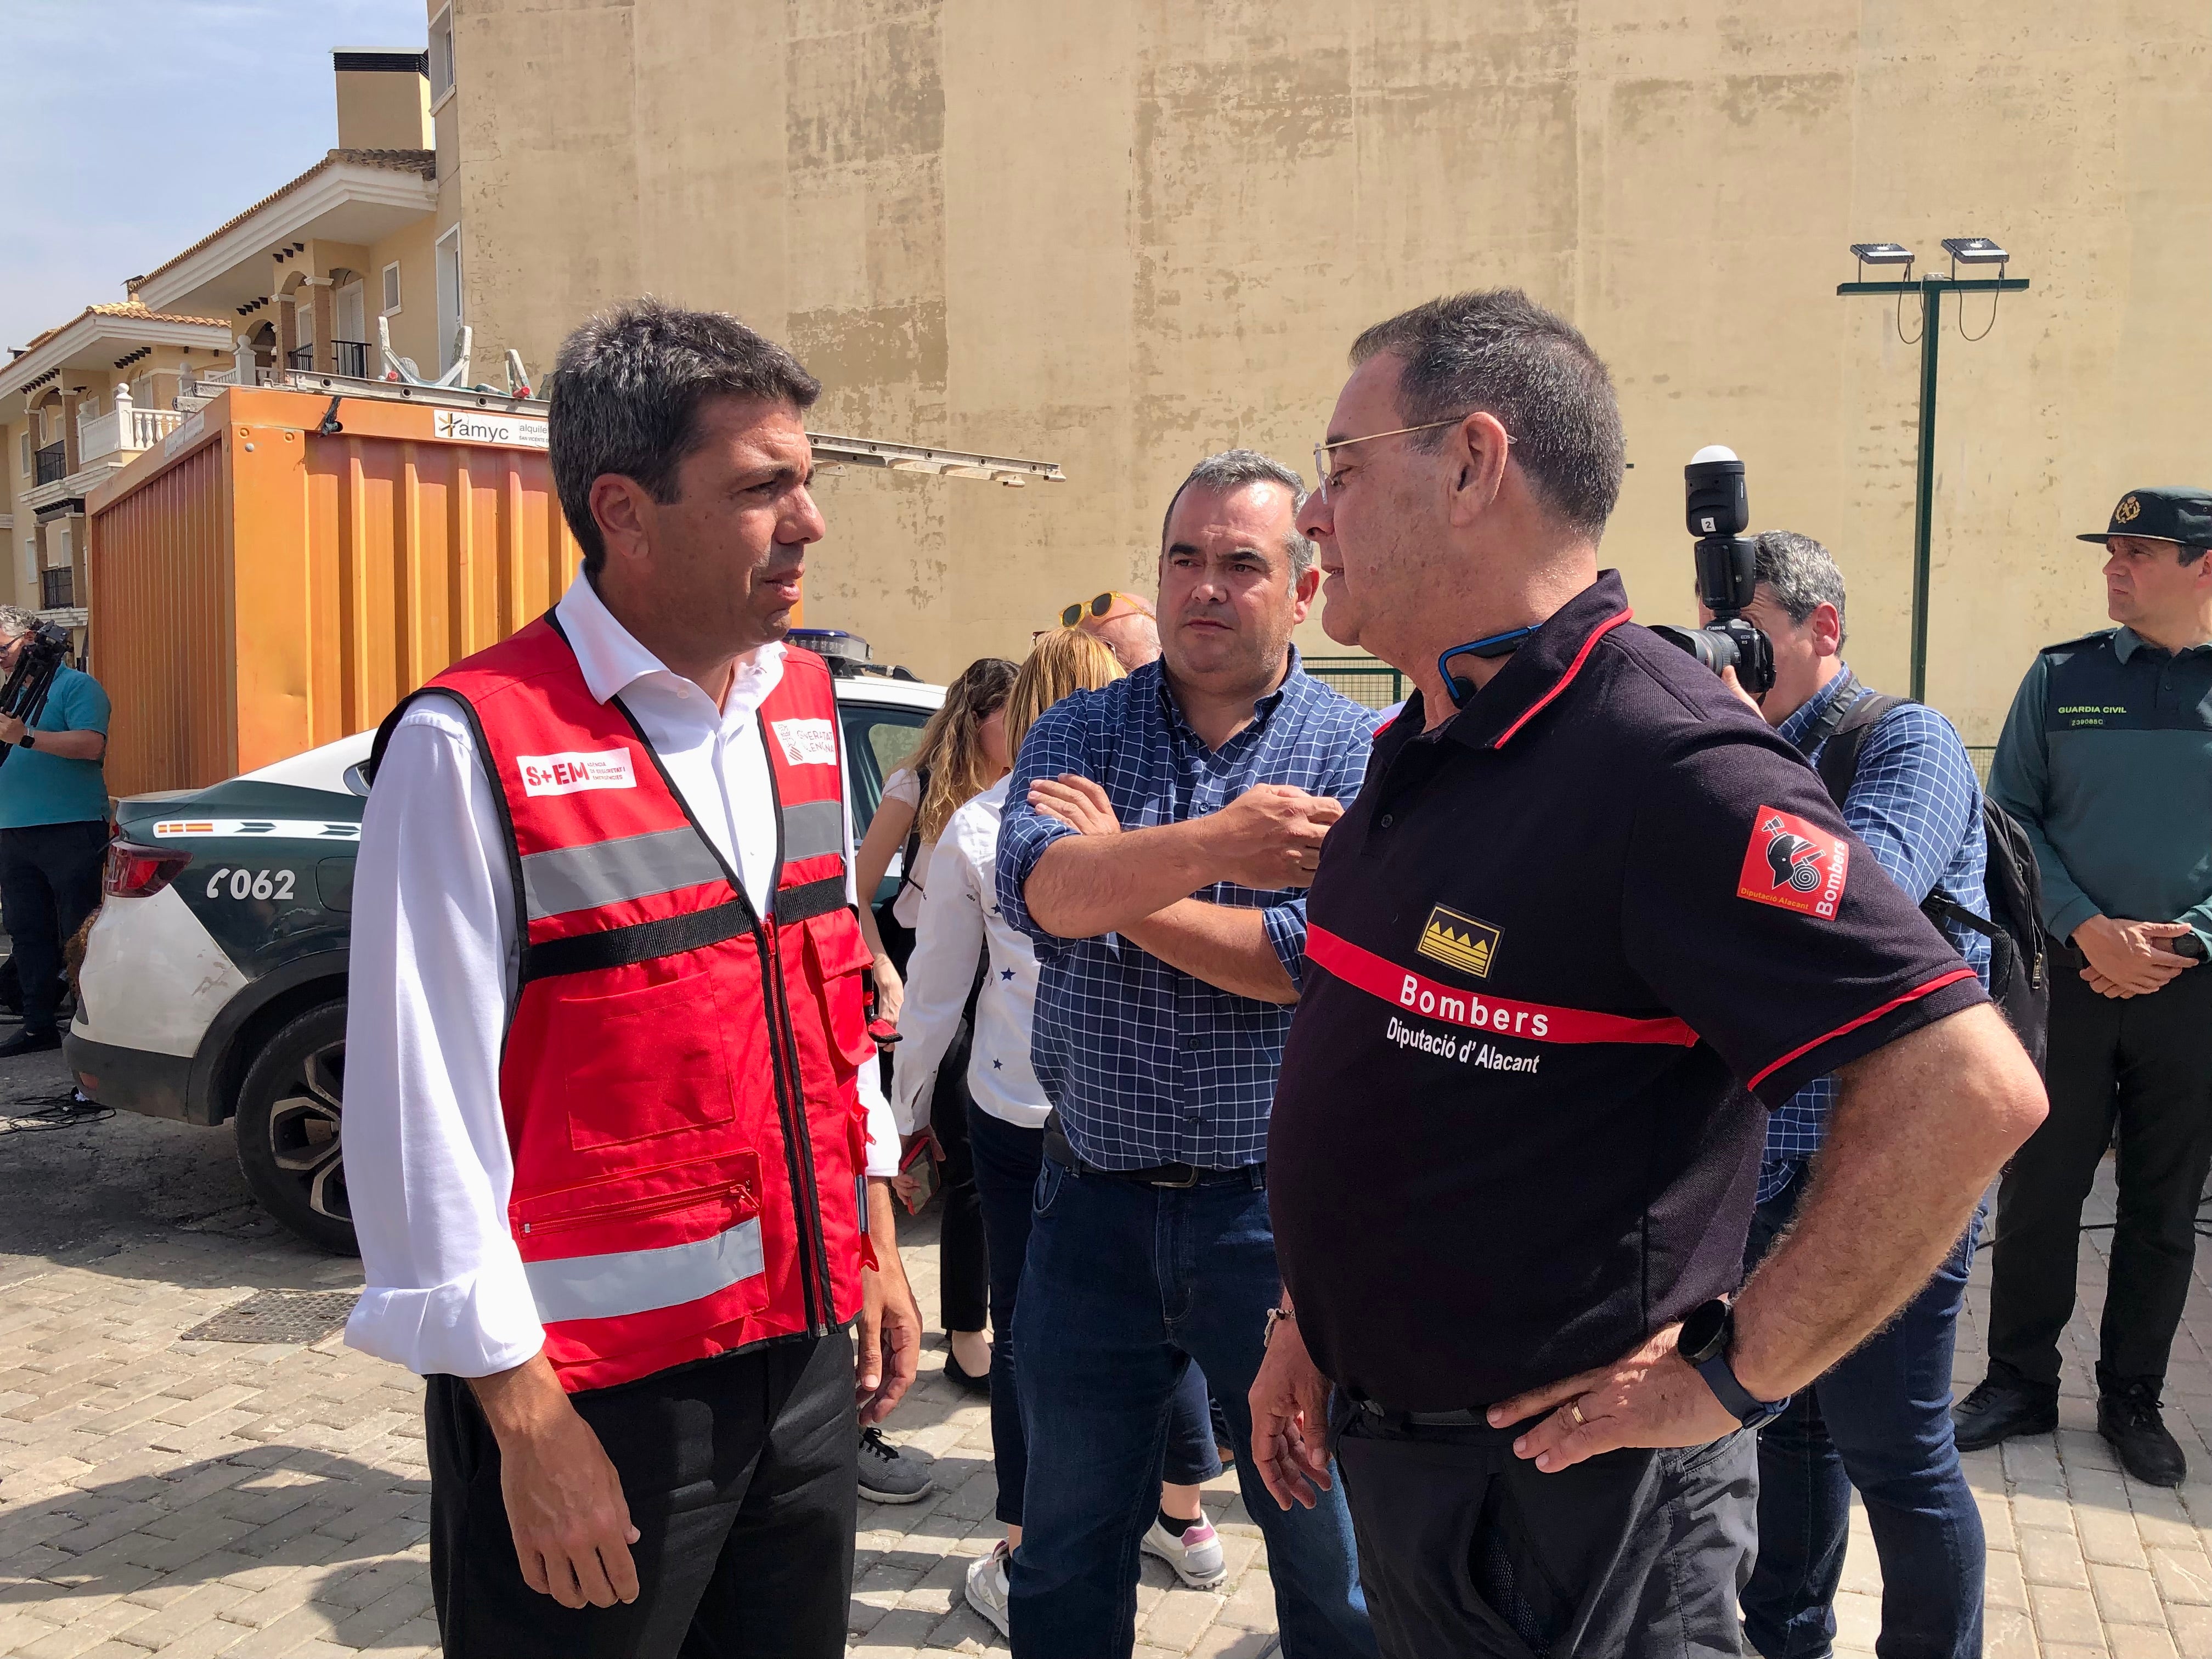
1880	1421
1007	1159
1125	1286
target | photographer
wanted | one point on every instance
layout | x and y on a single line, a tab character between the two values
1580	893
53	820
1880	1419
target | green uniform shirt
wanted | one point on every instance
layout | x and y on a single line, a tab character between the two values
36	787
2106	761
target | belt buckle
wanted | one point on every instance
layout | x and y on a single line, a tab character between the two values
1190	1174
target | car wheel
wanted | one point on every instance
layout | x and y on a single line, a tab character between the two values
289	1109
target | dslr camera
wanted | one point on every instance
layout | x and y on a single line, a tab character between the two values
1719	508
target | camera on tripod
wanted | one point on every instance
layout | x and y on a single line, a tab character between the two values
1719	508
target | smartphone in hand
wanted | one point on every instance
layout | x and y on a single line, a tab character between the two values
920	1167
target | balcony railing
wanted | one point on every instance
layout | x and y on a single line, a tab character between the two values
50	463
302	359
56	588
352	358
124	431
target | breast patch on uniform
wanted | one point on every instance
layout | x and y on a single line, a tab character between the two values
1458	941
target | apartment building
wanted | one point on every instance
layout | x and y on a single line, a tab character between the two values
312	279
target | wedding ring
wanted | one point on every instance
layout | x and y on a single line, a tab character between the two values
1575	1410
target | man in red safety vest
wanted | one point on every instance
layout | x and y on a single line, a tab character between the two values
608	1139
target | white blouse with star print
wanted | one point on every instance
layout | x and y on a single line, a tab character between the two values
959	920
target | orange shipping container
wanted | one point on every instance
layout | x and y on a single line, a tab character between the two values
284	568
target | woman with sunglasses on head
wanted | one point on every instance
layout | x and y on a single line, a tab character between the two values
963	751
1125	622
960	921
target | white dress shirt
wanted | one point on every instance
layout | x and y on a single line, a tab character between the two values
433	963
959	920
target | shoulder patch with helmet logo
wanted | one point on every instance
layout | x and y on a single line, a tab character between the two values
807	743
1794	864
573	770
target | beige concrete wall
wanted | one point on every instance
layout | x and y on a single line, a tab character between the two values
13	482
1121	234
414	325
383	109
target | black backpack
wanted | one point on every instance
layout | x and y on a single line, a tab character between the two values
2020	953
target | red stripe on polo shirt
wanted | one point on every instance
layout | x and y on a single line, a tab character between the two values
1913	995
1429	999
1573	669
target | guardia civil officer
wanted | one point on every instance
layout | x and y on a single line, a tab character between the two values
605	1137
2106	759
1583	890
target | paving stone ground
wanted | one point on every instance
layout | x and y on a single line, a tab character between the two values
188	1498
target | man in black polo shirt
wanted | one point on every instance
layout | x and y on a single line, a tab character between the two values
1582	891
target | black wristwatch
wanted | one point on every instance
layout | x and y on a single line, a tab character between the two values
29	740
1706	1334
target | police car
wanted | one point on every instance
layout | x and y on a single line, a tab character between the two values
214	981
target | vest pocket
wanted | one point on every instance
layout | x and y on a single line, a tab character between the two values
841	959
657	1239
651	1061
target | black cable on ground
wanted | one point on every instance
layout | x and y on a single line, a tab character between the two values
62	1111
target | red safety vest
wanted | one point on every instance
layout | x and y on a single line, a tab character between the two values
678	1077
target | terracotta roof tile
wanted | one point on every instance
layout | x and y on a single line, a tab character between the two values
127	308
421	162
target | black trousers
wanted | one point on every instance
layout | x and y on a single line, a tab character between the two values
1465	1552
2143	1066
739	1472
964	1262
49	884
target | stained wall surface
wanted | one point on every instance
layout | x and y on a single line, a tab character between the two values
1121	234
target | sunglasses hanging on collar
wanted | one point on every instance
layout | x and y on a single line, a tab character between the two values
1496	645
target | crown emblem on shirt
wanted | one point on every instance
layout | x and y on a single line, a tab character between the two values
2128	511
1458	941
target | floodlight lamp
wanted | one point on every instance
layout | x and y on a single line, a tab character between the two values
1881	253
1974	251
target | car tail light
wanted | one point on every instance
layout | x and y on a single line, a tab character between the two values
133	871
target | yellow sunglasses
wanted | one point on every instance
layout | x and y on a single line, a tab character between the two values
1101	607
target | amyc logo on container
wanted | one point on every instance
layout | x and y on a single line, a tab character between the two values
520	431
565	773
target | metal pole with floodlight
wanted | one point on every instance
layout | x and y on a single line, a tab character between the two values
1963	250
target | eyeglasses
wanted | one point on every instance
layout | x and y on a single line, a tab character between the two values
1100	608
1324	471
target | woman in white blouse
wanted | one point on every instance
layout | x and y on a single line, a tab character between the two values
960	922
961	750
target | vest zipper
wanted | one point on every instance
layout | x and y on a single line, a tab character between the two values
641	1206
820	1290
779	1024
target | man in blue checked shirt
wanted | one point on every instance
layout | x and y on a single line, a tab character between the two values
1880	1420
1157	838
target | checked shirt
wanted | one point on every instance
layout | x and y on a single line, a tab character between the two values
1917	806
1146	1064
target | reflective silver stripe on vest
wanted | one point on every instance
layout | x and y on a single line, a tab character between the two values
638	1281
811	829
565	878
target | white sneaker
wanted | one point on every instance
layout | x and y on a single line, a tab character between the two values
987	1587
1195	1554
